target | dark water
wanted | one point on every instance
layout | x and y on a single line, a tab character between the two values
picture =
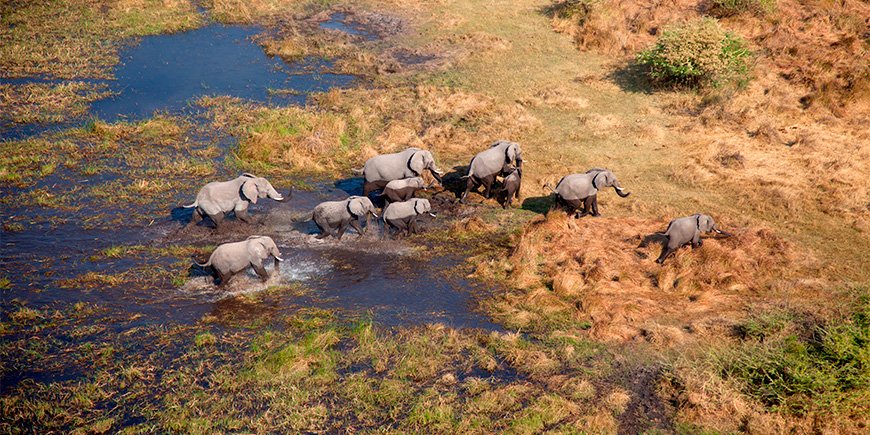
165	73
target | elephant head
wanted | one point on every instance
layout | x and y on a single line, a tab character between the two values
421	160
361	205
513	155
605	178
706	224
422	206
261	247
259	187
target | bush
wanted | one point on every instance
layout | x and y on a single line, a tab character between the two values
577	10
697	54
827	368
728	8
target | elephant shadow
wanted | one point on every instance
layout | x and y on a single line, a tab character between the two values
651	239
538	204
353	185
181	215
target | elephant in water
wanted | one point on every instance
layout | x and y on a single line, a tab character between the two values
488	164
219	197
333	217
686	230
576	190
231	258
382	169
403	190
402	216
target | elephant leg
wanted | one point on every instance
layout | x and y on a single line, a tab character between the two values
195	217
413	225
224	277
218	219
244	216
667	251
469	185
487	183
593	208
355	224
341	229
696	241
261	271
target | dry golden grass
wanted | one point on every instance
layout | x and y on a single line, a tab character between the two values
598	274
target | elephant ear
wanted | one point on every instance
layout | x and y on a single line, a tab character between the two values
609	178
417	162
257	247
356	206
249	189
707	223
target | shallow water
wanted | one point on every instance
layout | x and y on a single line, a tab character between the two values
386	280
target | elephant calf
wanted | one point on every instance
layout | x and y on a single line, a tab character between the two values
403	190
333	217
511	187
686	230
380	170
219	197
580	191
402	216
488	164
231	258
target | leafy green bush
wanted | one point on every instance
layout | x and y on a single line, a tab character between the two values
728	8
827	367
697	53
577	10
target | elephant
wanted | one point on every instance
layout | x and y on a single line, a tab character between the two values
511	186
402	216
403	190
684	230
488	164
576	190
380	170
333	217
219	197
231	258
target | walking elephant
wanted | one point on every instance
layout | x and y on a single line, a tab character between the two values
217	198
511	187
402	216
580	191
687	230
333	217
403	190
380	170
231	258
488	164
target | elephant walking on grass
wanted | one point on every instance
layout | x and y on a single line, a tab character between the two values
333	217
403	190
687	230
380	170
488	164
580	191
231	258
402	216
217	198
511	188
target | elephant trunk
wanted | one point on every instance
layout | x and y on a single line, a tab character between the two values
620	191
718	231
436	173
274	194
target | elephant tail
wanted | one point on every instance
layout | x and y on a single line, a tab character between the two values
195	203
304	217
206	264
357	171
550	188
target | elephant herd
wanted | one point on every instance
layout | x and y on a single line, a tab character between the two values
398	177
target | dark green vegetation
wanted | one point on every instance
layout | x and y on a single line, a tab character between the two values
696	54
727	8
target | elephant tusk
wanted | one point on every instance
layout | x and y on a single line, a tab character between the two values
620	189
279	258
375	215
432	214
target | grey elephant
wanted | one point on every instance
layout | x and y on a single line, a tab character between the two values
333	217
219	197
686	230
231	258
404	189
382	169
511	186
488	164
402	216
580	191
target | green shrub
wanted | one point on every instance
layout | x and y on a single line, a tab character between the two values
826	367
728	8
697	53
577	10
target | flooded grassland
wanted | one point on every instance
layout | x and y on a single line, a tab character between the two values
491	320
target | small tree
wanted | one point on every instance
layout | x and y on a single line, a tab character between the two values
696	54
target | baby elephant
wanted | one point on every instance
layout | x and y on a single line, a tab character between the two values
686	230
219	197
580	191
512	182
231	258
333	217
402	216
403	190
